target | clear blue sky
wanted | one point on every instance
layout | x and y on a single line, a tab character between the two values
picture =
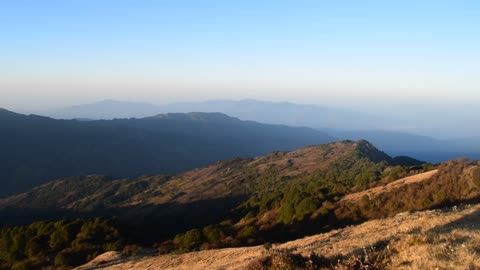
55	53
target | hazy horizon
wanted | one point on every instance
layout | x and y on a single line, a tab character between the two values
439	122
343	53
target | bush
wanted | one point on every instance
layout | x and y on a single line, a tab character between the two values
289	261
74	256
36	263
166	247
247	232
114	246
189	241
212	234
130	250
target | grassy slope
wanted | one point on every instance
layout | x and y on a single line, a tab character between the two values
433	239
219	180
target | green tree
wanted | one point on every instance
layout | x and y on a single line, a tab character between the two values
212	234
191	240
306	207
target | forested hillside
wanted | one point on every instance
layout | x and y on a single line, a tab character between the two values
37	149
268	199
277	197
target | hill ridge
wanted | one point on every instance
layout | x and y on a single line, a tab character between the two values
195	116
245	202
221	179
37	148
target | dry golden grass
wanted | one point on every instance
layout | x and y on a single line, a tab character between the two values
371	193
303	160
436	239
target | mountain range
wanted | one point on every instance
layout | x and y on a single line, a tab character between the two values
36	149
384	128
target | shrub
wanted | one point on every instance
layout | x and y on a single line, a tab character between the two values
212	234
288	261
36	263
74	256
130	250
113	246
189	241
247	232
267	246
59	240
166	247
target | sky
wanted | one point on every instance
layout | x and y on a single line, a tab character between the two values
342	53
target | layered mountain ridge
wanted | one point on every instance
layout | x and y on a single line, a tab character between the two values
36	149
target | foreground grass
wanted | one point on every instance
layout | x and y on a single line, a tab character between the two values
434	239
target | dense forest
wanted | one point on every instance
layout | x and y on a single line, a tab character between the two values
61	244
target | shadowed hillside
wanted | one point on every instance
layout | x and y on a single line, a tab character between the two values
242	202
36	149
223	179
383	129
239	202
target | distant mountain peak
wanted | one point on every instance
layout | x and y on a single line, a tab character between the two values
5	110
365	149
106	109
195	116
7	113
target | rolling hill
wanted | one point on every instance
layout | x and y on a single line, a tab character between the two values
36	149
241	202
444	238
266	188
